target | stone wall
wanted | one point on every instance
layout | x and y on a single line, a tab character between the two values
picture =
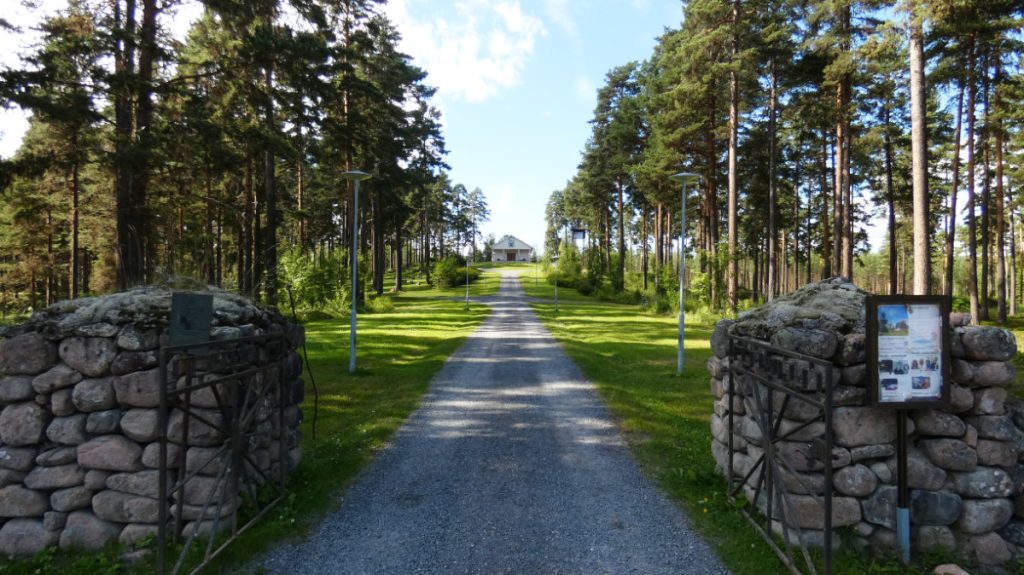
964	464
79	392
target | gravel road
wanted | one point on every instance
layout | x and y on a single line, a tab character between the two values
511	465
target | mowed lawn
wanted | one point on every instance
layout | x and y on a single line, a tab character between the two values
399	351
631	357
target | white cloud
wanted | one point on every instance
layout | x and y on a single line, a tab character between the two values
474	53
560	12
501	200
585	89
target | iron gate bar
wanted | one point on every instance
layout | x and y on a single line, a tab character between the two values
766	367
244	409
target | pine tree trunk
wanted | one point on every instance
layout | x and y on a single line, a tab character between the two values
1012	295
211	243
245	283
773	264
826	236
711	203
644	247
270	189
972	237
890	202
986	197
131	266
919	153
843	143
837	203
947	288
734	121
620	278
399	264
1000	216
74	277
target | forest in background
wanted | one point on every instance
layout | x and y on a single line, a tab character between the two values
797	119
219	157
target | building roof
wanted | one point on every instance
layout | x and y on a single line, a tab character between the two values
510	242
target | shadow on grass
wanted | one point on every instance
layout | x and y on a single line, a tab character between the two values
631	357
399	353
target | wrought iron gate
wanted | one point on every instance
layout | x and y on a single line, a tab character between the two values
771	383
223	444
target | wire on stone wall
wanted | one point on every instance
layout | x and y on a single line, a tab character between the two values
309	370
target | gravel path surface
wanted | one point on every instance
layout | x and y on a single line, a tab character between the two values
511	465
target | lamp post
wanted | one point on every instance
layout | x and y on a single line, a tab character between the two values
682	177
556	258
469	255
354	176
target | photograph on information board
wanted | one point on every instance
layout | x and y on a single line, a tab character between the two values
909	352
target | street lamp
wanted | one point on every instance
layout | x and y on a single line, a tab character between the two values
556	258
682	177
469	254
354	176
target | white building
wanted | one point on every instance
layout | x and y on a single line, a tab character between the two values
511	249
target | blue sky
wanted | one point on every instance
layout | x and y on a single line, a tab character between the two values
517	82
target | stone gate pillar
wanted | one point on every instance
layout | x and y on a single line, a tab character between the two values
965	470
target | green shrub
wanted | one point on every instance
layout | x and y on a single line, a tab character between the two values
447	273
380	304
315	282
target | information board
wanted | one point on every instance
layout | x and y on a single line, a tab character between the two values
191	316
908	351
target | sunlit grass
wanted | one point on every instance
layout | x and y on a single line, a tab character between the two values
631	358
487	284
533	278
398	354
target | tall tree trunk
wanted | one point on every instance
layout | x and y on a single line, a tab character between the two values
620	278
972	237
50	284
947	288
644	246
711	202
734	121
209	259
845	145
300	192
826	236
986	195
245	283
919	157
837	202
890	194
378	245
270	190
773	264
1000	216
399	263
74	277
1012	295
129	249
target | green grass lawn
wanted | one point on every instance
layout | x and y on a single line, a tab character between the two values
631	358
399	353
535	284
487	284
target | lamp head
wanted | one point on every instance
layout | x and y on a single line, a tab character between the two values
356	175
683	176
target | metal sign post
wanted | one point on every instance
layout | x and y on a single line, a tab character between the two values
191	316
908	368
682	177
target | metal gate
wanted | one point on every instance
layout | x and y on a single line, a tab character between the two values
771	383
223	444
